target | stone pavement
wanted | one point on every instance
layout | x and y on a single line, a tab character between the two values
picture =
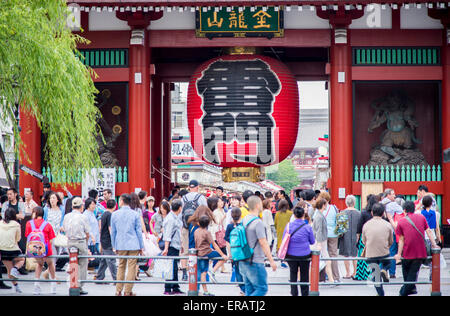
355	288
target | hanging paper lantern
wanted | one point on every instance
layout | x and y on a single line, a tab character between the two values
243	111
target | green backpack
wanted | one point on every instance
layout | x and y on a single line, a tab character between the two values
341	224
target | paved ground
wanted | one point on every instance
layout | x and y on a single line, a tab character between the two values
354	288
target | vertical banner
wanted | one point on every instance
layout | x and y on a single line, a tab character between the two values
99	179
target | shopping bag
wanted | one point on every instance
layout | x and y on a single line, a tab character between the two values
30	264
322	264
443	262
282	251
284	245
163	268
150	247
220	237
61	240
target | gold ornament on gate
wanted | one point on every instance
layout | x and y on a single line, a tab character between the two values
250	174
242	50
117	129
116	110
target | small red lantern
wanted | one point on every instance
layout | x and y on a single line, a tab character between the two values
243	111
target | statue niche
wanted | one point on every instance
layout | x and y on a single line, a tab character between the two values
398	142
110	135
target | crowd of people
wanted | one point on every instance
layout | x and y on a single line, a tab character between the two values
388	227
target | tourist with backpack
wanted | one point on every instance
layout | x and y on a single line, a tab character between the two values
190	202
40	235
236	217
248	245
10	235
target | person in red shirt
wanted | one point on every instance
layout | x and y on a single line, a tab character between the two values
411	246
49	235
107	194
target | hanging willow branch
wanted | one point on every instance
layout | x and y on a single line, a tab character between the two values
41	69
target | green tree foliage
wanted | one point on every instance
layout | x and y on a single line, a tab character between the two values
40	67
283	174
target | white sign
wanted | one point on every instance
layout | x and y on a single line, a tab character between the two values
182	151
99	179
341	77
137	77
342	193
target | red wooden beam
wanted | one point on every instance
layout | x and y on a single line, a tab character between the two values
182	72
396	37
397	73
292	38
111	74
105	39
187	38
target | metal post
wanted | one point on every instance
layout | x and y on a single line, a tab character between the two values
192	270
16	160
314	279
74	289
436	272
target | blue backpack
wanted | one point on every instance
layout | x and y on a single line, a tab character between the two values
240	249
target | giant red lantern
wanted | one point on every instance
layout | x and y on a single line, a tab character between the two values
243	111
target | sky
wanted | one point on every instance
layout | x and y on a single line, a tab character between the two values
313	95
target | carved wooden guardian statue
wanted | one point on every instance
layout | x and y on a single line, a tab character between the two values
396	110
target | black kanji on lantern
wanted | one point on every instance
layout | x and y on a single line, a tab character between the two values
238	99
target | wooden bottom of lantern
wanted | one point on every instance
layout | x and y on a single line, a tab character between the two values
234	174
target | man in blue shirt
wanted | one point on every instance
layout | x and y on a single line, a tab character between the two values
126	238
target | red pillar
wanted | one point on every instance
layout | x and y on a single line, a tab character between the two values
341	117
446	127
314	279
157	138
139	114
31	138
167	139
341	103
436	272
